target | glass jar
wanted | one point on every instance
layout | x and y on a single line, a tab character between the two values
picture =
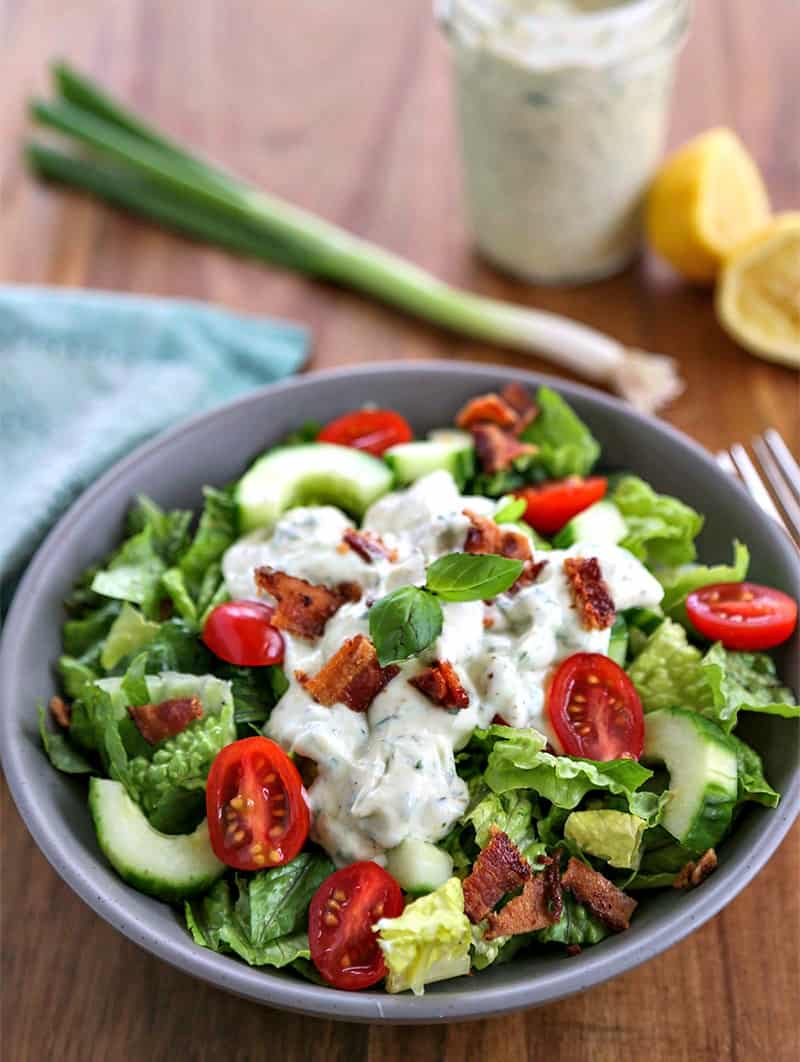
562	108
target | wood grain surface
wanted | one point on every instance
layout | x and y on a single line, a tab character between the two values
345	108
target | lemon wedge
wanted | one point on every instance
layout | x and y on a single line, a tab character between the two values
707	198
758	292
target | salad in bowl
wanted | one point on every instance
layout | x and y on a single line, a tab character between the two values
398	709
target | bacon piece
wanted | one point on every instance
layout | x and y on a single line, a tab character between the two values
574	949
590	592
526	913
352	676
155	722
498	449
499	868
604	899
441	684
489	408
515	395
695	873
368	545
60	711
485	536
303	608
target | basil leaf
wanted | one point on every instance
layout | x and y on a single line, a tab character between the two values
472	576
404	623
511	509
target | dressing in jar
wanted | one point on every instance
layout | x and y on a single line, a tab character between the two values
562	107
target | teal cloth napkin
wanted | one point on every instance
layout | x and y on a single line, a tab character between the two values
85	376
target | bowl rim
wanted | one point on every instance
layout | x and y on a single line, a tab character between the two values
614	956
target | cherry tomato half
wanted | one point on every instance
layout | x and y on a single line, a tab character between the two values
594	709
241	632
742	615
551	505
343	910
257	812
373	430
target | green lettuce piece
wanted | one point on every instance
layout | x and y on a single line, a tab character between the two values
497	951
81	636
662	858
744	682
661	529
551	826
429	941
217	530
74	674
519	762
511	812
679	582
256	691
129	632
279	898
752	783
61	752
577	925
91	713
613	836
219	922
170	529
566	446
668	671
174	584
134	574
176	647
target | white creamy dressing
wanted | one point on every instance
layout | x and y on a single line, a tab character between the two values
562	109
389	773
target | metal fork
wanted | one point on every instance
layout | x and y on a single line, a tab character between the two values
773	466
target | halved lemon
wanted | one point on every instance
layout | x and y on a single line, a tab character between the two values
758	292
706	199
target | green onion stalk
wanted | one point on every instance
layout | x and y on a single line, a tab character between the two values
125	161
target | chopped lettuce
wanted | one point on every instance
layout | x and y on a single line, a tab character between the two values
256	691
752	783
679	582
744	682
520	762
74	674
511	812
566	446
668	671
577	925
61	752
613	836
501	949
266	923
662	858
176	647
174	584
84	634
661	529
217	530
429	941
129	632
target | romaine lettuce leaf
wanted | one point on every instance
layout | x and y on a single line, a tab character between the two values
256	691
744	682
497	951
84	634
752	783
661	529
176	647
566	446
254	924
511	812
217	530
679	582
429	941
74	673
577	925
61	752
613	836
127	634
668	671
520	762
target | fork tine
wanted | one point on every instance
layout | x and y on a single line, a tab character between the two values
775	478
753	482
723	459
780	451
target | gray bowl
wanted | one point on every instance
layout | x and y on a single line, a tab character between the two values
215	448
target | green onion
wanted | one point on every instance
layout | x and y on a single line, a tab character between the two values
128	163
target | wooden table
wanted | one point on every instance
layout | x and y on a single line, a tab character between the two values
345	108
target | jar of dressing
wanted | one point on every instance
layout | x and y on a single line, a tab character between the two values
562	108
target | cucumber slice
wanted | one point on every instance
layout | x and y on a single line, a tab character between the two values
169	867
419	866
310	474
601	523
450	450
618	644
701	761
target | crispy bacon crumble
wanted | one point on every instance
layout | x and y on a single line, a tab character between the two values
602	897
303	608
368	545
60	711
496	423
497	449
590	592
490	408
485	536
694	873
156	722
352	676
441	684
538	905
499	868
